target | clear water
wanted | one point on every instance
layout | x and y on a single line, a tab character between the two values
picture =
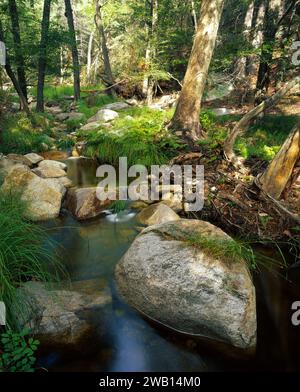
127	342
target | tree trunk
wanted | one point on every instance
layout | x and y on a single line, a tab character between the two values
186	118
14	16
274	11
194	14
107	67
73	43
89	57
241	64
151	50
280	172
244	122
15	82
256	36
43	56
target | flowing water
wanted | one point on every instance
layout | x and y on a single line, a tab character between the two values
124	340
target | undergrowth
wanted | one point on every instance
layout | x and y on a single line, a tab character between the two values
24	256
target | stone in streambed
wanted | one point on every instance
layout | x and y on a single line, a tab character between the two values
156	214
186	288
84	204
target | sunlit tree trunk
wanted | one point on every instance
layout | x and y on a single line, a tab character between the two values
89	57
15	25
194	14
281	170
43	56
73	44
241	64
185	122
148	84
109	79
274	10
256	35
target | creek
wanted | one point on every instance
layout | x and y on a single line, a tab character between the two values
127	342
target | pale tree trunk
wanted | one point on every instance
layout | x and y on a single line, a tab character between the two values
256	36
284	168
185	122
109	79
148	84
73	44
274	11
245	121
241	64
194	14
89	57
43	56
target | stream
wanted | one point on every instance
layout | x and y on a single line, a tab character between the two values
127	342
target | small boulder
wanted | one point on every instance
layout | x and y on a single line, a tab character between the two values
117	106
156	214
34	158
17	158
91	126
84	204
104	115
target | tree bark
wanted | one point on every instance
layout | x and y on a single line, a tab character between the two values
15	82
148	84
43	56
244	122
241	64
185	122
280	172
105	52
274	11
194	14
73	43
89	57
14	16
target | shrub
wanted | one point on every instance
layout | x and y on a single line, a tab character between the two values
141	139
17	352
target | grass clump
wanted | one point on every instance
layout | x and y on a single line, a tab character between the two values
23	256
118	206
19	136
138	135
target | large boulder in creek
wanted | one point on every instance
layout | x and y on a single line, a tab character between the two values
56	316
187	287
156	214
84	204
43	198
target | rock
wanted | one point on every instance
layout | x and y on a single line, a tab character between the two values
23	160
56	317
52	164
138	205
132	102
156	214
104	115
62	116
42	198
84	204
75	116
174	201
54	110
223	111
117	106
55	155
49	172
65	181
185	287
91	126
34	158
